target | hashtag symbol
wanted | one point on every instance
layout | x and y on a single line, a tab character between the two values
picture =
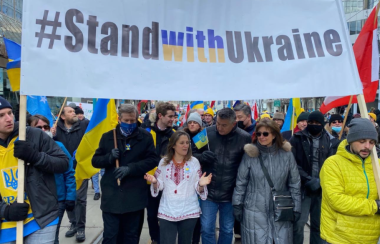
45	22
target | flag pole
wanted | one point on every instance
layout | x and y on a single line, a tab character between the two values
292	119
60	111
374	157
117	160
208	145
345	116
21	168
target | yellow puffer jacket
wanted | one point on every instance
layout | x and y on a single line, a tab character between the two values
348	199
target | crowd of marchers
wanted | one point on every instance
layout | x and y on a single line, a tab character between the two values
264	183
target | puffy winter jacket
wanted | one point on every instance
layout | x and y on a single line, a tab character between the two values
253	192
348	199
229	150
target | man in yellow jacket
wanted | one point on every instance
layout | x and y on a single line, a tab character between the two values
350	205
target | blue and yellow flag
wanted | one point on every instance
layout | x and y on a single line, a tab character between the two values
14	64
103	120
197	105
294	106
201	139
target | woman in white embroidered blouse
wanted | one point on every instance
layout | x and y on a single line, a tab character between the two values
180	179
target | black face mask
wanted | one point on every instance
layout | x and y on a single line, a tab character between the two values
241	125
314	129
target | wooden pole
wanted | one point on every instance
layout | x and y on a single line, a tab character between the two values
117	160
345	117
60	111
374	157
21	168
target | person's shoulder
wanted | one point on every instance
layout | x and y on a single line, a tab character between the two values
144	131
194	160
242	133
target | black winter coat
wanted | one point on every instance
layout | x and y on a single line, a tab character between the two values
229	150
71	139
161	138
137	152
39	178
302	149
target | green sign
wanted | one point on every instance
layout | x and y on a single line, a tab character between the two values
277	103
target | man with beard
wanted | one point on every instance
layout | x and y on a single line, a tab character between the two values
350	202
311	147
70	131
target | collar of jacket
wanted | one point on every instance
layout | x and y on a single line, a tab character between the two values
252	126
14	133
253	150
61	124
344	151
229	134
157	130
120	136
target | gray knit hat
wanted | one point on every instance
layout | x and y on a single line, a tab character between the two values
361	128
279	115
195	117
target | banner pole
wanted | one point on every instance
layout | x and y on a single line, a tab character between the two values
374	157
60	111
115	146
21	168
345	117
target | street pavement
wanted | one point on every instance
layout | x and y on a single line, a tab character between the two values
94	225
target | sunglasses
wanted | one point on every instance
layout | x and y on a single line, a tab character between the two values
337	121
45	127
265	134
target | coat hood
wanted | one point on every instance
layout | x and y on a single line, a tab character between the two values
343	150
253	151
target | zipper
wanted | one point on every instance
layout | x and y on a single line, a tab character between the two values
366	177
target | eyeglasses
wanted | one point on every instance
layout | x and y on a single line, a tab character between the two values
265	134
45	127
337	121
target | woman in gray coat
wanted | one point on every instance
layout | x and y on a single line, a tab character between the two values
252	198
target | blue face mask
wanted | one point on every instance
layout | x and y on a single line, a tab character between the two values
128	128
336	129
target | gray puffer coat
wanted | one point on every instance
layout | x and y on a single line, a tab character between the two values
253	192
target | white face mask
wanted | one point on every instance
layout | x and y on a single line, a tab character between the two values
49	134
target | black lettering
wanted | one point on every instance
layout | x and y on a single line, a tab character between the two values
239	57
332	37
285	52
146	42
309	38
77	33
92	26
125	41
268	41
298	44
108	45
253	51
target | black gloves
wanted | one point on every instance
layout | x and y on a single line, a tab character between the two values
313	184
16	211
115	154
238	212
121	172
24	150
378	206
69	205
296	216
208	157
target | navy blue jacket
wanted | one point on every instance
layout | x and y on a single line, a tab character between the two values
250	129
66	184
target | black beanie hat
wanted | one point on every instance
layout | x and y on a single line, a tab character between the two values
303	116
4	103
317	116
78	110
335	117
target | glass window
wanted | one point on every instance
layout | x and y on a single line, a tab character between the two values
352	27
358	26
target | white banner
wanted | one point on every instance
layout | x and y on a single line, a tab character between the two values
187	50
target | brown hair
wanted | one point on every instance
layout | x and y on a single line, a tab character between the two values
162	108
173	140
40	117
274	130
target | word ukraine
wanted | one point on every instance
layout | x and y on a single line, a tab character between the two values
256	48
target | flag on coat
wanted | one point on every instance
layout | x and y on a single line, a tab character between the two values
14	63
197	105
366	53
39	105
201	139
103	120
294	110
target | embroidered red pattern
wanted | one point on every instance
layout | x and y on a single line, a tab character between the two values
186	216
177	174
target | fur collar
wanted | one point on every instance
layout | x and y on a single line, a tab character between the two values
253	151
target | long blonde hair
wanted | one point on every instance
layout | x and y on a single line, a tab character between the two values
170	152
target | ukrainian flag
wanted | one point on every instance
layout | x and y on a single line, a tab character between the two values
14	64
201	139
294	105
197	105
103	120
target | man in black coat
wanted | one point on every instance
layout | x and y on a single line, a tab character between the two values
70	131
311	147
123	206
226	143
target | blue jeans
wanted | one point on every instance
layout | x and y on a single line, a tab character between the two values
208	219
43	236
95	181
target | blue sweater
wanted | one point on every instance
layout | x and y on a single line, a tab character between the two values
66	184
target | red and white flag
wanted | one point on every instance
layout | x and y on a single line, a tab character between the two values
255	112
366	52
184	117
